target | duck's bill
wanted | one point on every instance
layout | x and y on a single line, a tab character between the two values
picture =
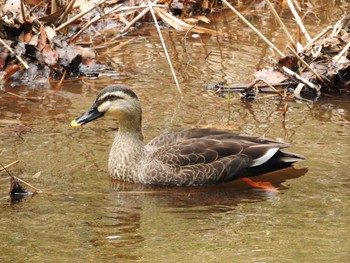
91	115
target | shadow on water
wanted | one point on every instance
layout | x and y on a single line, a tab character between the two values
215	198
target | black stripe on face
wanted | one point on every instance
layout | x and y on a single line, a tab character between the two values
107	98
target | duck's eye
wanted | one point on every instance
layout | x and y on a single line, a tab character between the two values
112	97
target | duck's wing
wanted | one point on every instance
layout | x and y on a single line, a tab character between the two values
214	158
177	137
172	138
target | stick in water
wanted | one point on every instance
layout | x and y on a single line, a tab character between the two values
164	47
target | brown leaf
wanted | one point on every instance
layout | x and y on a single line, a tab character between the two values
270	76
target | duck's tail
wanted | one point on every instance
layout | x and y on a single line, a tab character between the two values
279	161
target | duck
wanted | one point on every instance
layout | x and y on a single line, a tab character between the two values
187	157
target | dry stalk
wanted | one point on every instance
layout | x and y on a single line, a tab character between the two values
93	21
78	16
185	40
23	97
128	8
18	57
316	38
345	49
22	11
309	67
300	78
27	184
299	21
138	17
271	87
59	84
178	24
69	7
164	47
253	28
8	165
20	180
279	20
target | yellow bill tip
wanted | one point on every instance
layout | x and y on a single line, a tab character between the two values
74	124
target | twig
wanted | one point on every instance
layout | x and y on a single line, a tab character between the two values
298	20
185	42
208	55
309	67
18	57
300	78
180	25
339	25
23	97
254	29
79	15
27	184
316	38
93	21
8	165
345	49
22	11
164	47
279	20
59	84
284	113
128	8
271	87
20	180
138	17
67	11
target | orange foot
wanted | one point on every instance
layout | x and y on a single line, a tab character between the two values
262	185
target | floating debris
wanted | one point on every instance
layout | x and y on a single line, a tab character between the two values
17	190
322	66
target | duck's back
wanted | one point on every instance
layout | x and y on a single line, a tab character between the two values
202	156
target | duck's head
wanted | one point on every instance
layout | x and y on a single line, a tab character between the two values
117	101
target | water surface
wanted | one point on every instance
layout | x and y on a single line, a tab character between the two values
84	217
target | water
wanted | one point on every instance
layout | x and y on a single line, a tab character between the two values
84	217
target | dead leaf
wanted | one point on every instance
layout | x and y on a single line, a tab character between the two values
270	76
37	175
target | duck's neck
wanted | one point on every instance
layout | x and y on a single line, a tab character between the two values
127	152
130	127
